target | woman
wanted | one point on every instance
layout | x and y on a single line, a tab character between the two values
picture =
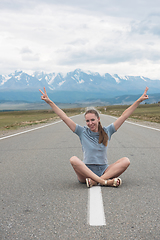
94	139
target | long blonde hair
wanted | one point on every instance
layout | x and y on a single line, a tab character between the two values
103	137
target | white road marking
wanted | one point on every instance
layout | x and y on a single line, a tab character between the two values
143	126
156	129
33	129
15	134
96	216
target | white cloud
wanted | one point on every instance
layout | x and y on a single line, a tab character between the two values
58	36
25	50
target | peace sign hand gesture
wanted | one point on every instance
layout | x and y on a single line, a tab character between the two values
144	95
45	96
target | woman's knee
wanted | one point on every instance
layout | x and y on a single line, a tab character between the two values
73	160
126	161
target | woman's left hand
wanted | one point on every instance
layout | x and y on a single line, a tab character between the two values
144	95
130	110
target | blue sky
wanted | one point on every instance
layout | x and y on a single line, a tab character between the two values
117	37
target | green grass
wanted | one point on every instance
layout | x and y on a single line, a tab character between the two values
15	119
145	112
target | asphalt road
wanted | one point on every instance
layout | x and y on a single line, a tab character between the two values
42	199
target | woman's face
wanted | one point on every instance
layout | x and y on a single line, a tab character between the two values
92	121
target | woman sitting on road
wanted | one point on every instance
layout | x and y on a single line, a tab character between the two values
94	139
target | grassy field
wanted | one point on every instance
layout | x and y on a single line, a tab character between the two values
144	112
16	119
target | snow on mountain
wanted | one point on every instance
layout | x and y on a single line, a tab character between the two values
4	78
61	83
144	79
116	78
123	77
80	81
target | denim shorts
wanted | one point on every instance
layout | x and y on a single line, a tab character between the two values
97	169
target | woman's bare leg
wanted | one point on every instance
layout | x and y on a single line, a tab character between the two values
84	172
116	169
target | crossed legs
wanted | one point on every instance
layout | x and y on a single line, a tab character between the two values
114	170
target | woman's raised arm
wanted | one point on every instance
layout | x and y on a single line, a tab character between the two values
130	110
71	124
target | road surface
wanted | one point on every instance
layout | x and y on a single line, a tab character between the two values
42	199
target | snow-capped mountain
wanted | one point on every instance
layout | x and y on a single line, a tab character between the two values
80	83
77	81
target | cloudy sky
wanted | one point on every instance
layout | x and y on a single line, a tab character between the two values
106	36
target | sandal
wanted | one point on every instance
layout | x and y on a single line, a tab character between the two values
88	182
115	182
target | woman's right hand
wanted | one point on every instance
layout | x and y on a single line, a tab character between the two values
58	111
45	96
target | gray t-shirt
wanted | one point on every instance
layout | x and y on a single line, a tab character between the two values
93	152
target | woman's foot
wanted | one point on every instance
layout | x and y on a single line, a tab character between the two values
90	183
115	182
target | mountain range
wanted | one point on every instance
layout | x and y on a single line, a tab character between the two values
76	86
